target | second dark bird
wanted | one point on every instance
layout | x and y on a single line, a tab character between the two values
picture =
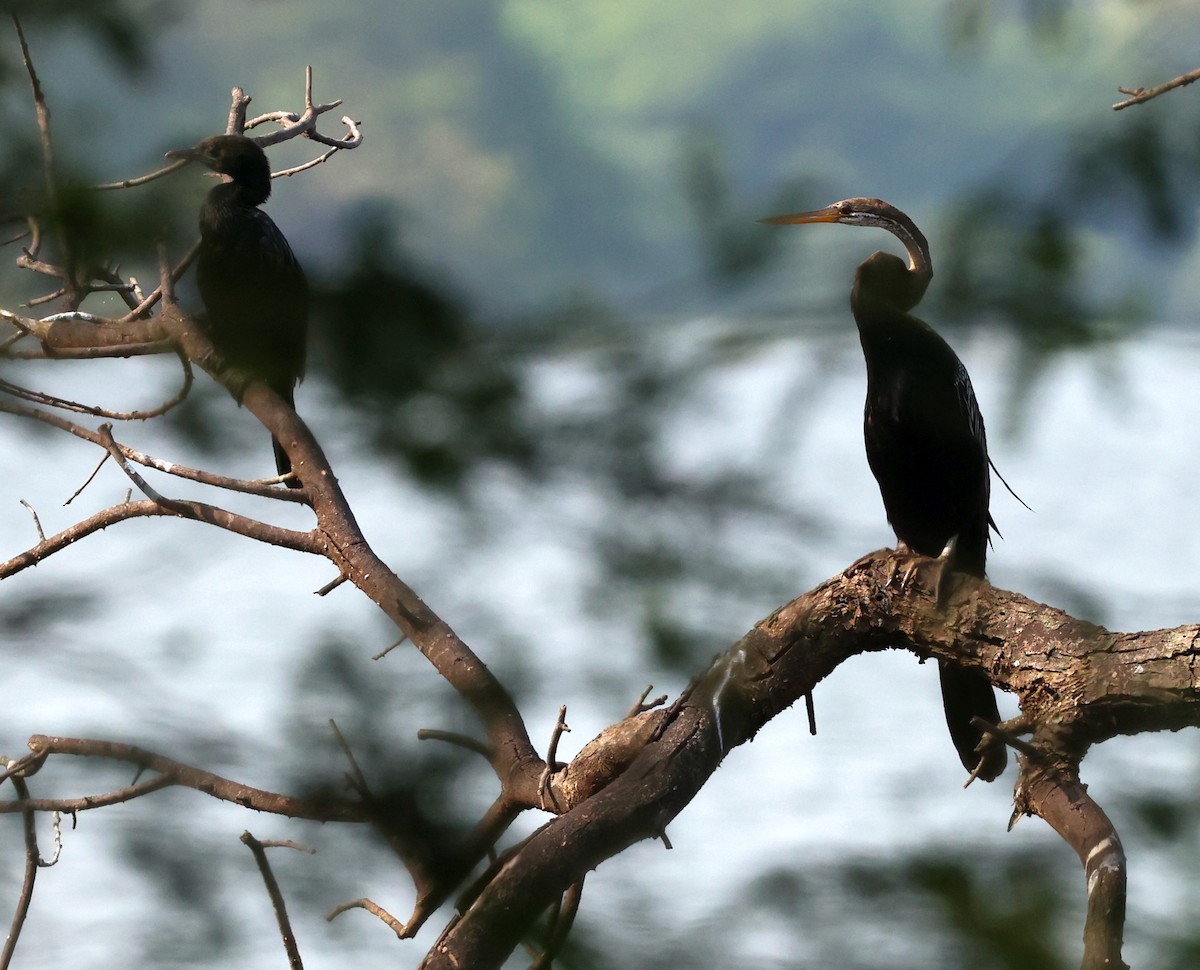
255	294
925	438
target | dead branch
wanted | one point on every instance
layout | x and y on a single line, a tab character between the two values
1058	797
171	773
32	862
73	294
337	537
260	488
40	397
277	903
374	909
94	523
1078	684
1142	95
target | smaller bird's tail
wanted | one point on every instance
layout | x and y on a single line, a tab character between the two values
283	464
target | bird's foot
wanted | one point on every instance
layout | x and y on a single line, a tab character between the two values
992	749
931	573
233	378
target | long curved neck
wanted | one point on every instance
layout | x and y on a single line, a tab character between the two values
885	288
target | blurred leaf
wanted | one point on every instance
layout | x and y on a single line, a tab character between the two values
423	375
123	28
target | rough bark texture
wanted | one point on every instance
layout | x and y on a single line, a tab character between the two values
1077	682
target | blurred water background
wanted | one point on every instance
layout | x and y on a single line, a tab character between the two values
603	422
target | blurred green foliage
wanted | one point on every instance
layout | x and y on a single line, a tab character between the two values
407	356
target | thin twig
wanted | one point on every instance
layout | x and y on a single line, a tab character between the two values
12	339
287	844
87	482
352	139
560	728
86	803
245	486
1142	95
50	400
46	297
358	780
330	586
109	442
42	109
640	706
372	908
544	789
36	521
174	773
180	268
141	179
277	901
453	737
17	238
388	649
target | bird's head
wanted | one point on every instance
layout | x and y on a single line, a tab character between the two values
236	158
869	212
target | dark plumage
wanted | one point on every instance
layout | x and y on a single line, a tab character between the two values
255	293
924	436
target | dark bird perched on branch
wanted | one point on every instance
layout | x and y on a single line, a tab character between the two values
925	439
254	292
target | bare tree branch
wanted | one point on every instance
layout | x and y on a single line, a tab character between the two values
1142	95
264	489
375	910
171	773
277	903
1058	797
39	397
68	537
1078	684
32	862
72	292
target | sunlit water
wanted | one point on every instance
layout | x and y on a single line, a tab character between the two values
196	636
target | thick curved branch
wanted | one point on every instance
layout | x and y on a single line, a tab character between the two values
1059	798
1077	682
80	334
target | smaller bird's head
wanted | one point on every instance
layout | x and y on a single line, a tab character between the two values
869	212
235	157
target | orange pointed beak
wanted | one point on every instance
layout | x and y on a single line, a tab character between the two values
828	214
